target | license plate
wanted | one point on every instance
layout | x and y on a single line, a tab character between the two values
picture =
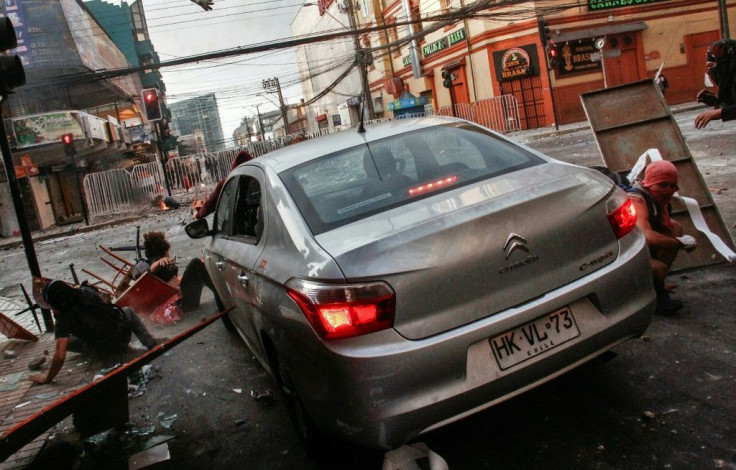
534	338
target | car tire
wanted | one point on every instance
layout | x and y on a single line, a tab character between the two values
226	320
314	441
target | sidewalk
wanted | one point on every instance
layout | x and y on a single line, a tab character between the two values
543	132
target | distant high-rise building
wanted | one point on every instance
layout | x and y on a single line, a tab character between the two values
198	113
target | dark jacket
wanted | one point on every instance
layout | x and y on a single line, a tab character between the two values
94	321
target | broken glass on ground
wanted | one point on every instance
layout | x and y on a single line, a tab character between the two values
168	421
263	397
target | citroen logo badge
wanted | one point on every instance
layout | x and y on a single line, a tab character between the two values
514	242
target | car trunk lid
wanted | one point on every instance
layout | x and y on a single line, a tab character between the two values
472	252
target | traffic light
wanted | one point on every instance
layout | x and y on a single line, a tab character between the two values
447	79
553	56
544	32
11	68
151	104
68	141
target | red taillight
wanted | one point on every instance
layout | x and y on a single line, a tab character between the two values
623	218
432	186
344	310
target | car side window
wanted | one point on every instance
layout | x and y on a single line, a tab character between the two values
248	215
223	214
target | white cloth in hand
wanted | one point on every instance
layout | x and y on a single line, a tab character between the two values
688	242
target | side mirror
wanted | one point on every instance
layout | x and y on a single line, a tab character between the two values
198	229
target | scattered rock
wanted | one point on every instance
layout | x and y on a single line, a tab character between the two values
37	363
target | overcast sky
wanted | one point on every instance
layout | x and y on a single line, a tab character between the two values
179	28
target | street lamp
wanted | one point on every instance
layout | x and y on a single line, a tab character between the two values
361	55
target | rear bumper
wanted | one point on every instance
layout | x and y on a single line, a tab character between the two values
381	390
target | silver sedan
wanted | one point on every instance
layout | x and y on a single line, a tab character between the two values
397	280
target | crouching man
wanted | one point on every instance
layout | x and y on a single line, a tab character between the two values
81	312
651	197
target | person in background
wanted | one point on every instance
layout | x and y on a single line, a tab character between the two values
209	205
664	236
159	263
720	64
81	314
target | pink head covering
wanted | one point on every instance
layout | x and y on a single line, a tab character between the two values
241	158
660	171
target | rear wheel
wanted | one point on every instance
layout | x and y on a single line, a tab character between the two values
315	442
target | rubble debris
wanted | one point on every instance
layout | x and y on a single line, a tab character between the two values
264	397
99	439
169	421
413	456
10	382
649	414
9	354
148	457
156	440
37	363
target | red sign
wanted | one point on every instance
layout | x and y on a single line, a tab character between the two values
324	5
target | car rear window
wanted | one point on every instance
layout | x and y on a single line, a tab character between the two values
357	182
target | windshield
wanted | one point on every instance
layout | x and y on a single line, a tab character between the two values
357	182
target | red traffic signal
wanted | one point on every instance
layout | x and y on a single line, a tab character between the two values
553	56
151	104
68	141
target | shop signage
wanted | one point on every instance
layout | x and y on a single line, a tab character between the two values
140	133
26	168
516	63
407	101
608	4
46	128
443	43
578	56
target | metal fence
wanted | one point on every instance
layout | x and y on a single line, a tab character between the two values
110	192
500	113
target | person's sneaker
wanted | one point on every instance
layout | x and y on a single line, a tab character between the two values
666	305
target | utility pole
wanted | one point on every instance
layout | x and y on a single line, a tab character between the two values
364	58
272	85
723	17
260	123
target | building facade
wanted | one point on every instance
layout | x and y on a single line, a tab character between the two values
493	49
200	113
61	45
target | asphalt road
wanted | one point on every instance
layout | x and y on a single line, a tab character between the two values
665	401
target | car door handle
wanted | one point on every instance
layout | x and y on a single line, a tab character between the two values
220	265
243	278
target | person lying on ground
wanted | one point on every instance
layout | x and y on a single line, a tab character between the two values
84	320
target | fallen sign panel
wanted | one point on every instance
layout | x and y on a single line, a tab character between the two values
112	388
630	119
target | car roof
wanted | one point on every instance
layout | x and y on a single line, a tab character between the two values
296	154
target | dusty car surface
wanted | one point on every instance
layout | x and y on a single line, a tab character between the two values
397	280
